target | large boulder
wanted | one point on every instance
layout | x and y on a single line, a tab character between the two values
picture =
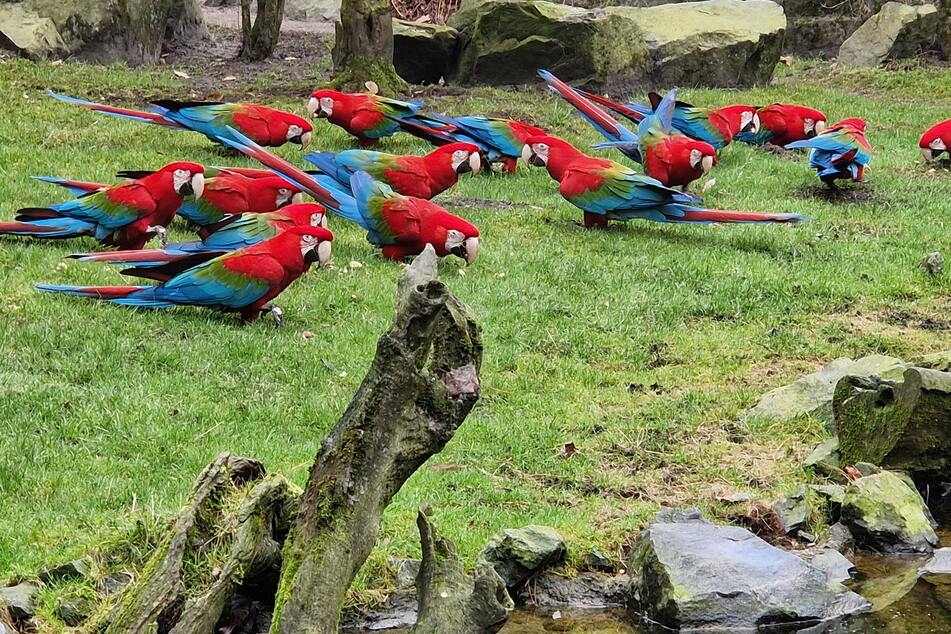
506	41
896	32
887	515
711	43
518	553
19	601
99	30
812	394
694	574
903	425
424	53
312	10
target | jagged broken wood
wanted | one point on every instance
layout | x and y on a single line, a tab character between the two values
901	425
419	389
449	599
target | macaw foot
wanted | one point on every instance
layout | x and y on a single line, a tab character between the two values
161	234
275	311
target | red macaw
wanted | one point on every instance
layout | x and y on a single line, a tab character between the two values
243	281
227	194
267	126
716	126
605	190
367	117
125	215
841	151
672	158
419	176
935	140
232	233
781	124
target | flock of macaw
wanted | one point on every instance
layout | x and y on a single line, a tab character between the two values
256	236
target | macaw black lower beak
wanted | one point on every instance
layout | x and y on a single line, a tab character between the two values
536	160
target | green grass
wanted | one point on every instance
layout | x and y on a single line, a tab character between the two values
640	344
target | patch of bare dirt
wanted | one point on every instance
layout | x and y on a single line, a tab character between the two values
843	195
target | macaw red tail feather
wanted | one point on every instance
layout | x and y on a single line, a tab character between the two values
26	228
846	158
720	215
621	109
125	113
98	292
596	115
129	256
37	213
436	136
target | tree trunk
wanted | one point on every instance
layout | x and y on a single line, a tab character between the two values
148	25
422	384
258	40
363	47
902	425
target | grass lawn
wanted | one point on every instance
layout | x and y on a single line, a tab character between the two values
640	344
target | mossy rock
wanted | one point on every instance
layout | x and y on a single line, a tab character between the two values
518	553
886	514
898	31
424	53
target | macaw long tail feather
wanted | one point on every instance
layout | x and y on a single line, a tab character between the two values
97	292
40	231
625	111
124	113
604	123
720	215
140	257
434	134
77	188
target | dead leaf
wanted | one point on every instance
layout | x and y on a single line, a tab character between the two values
307	334
229	78
182	74
708	185
568	450
372	87
852	473
290	59
441	468
788	60
57	62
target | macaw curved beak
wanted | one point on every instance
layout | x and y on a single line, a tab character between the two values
305	139
468	250
820	127
753	125
197	185
928	153
706	163
323	252
475	163
313	107
297	198
324	222
527	154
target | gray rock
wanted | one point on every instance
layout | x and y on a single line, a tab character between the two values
838	536
70	571
406	571
866	468
696	574
932	264
897	31
885	514
312	10
19	600
586	590
518	553
27	33
713	43
834	493
678	516
834	564
113	583
812	394
940	361
598	561
824	459
938	569
424	53
794	511
72	611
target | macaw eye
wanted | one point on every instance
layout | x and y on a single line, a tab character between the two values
309	239
179	173
327	101
283	192
541	147
454	238
315	219
460	155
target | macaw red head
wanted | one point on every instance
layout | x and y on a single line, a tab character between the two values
324	102
273	192
449	234
185	178
459	157
703	156
549	151
313	242
935	140
813	121
523	131
741	118
304	214
299	129
853	122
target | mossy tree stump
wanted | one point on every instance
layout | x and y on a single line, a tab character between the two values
363	47
246	537
902	425
259	38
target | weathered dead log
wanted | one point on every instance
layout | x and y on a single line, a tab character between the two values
183	589
901	425
420	387
259	38
449	599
